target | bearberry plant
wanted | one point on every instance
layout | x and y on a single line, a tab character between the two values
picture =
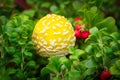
96	51
95	56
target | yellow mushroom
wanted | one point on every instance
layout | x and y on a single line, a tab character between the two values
53	35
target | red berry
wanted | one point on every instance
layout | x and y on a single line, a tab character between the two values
85	34
77	19
22	3
105	75
77	34
78	26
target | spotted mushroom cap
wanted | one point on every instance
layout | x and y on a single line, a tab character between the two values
53	35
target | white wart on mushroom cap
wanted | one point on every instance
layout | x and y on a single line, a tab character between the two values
53	35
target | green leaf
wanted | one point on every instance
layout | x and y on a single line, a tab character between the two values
29	13
89	71
31	63
31	78
4	74
13	34
118	64
89	49
46	4
93	9
20	74
98	54
106	39
55	62
21	42
63	59
3	19
53	8
92	38
114	46
90	64
17	60
90	15
77	54
73	57
10	50
49	69
116	35
17	21
76	5
31	43
108	23
66	62
108	50
11	71
31	2
62	6
93	30
24	18
115	69
17	54
45	71
55	78
74	75
72	50
28	54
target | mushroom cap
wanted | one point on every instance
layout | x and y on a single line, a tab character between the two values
53	35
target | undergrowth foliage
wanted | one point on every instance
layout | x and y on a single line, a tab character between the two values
95	55
17	48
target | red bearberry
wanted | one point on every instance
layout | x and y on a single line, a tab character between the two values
23	4
77	33
78	27
77	19
85	34
105	75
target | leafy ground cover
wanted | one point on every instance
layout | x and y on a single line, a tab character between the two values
96	55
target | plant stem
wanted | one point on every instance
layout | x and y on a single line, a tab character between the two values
103	56
2	47
22	56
